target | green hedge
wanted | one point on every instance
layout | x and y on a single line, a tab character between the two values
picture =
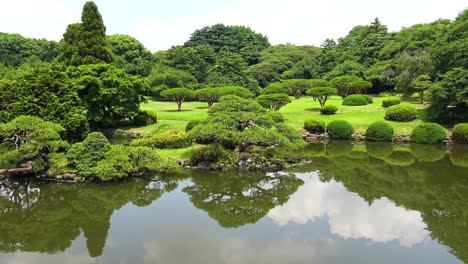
355	100
429	133
379	131
340	129
328	110
401	113
460	132
316	126
169	139
387	102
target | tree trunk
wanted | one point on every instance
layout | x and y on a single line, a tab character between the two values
179	106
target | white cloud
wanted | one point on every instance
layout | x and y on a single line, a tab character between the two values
349	215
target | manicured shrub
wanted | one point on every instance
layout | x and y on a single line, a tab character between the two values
328	110
401	113
369	98
387	102
460	132
355	100
379	131
145	118
316	126
169	139
191	124
277	117
340	129
273	101
429	133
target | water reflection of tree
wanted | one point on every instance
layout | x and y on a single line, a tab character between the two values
46	218
235	199
430	184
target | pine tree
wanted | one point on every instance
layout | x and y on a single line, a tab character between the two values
86	42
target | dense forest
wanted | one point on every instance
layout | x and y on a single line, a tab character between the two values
91	81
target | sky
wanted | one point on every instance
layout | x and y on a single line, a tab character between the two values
161	24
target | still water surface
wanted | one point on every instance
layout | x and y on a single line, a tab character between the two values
374	203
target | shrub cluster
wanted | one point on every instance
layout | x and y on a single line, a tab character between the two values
191	124
210	153
169	139
277	117
401	113
355	100
145	118
379	131
316	126
328	110
460	132
429	133
340	129
387	102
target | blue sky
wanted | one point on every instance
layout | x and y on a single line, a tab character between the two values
162	24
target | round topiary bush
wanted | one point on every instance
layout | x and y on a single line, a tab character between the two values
369	99
379	131
460	133
340	129
316	126
355	100
191	124
401	113
387	102
328	110
429	133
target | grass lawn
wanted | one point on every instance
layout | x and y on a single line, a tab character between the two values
295	113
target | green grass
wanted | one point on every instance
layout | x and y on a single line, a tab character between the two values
295	113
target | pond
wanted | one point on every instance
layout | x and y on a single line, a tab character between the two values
374	203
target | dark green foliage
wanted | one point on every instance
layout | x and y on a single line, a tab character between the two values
387	102
342	84
131	55
422	83
191	124
47	92
85	156
339	148
168	77
110	95
428	153
452	92
273	101
401	113
169	139
145	118
16	50
379	131
355	100
28	138
297	87
428	133
328	110
340	129
322	94
237	39
86	43
276	88
460	132
178	95
316	126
